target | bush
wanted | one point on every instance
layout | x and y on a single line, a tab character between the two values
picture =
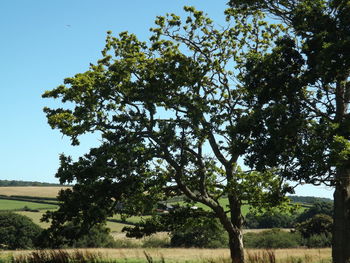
74	236
201	232
17	231
318	241
156	241
188	228
318	224
274	238
98	236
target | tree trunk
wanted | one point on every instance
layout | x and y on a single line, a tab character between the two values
236	246
236	236
233	226
341	230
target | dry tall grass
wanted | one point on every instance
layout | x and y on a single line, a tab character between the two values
201	255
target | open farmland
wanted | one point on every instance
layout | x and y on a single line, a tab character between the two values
17	205
35	191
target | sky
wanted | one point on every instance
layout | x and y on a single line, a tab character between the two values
43	42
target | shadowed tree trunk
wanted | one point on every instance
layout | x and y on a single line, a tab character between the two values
341	231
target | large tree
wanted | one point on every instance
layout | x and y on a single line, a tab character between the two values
173	120
314	146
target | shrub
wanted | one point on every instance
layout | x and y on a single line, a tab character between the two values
274	238
71	235
318	224
188	228
98	236
156	241
318	241
17	231
201	232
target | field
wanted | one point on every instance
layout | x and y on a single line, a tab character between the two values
137	254
200	255
36	191
17	205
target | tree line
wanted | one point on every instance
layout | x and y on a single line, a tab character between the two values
24	183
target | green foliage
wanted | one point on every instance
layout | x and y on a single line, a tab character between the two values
188	228
325	208
270	219
318	224
318	241
71	235
272	239
199	232
17	231
174	117
300	90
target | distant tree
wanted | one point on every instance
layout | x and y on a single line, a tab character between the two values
17	231
309	199
316	225
173	119
24	183
325	208
270	219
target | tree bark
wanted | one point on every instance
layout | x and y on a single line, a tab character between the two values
236	246
234	232
341	229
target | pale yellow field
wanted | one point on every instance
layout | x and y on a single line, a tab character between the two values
188	254
36	191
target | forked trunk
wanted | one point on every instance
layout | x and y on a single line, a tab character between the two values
341	229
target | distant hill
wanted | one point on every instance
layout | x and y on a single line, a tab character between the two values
24	183
309	199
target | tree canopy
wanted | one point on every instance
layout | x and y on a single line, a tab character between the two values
174	117
304	104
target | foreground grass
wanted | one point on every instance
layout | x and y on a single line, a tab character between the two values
192	255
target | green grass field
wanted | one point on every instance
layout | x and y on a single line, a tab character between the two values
16	205
35	216
223	202
115	227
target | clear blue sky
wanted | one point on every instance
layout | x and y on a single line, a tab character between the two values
42	42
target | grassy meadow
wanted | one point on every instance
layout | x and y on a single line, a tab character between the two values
16	205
